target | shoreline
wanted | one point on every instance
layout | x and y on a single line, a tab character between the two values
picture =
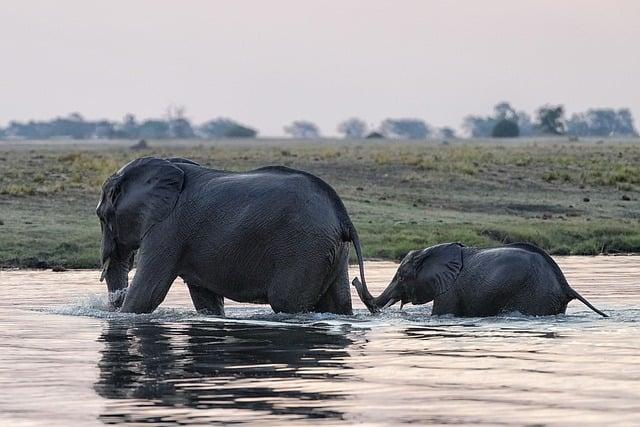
568	197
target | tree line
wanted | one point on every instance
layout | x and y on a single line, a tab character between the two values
174	126
504	122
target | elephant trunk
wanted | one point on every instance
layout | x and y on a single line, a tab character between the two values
387	298
365	296
115	269
116	273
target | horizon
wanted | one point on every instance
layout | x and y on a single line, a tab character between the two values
266	65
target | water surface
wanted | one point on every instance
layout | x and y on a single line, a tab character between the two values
64	360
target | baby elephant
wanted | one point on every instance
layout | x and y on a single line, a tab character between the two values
466	281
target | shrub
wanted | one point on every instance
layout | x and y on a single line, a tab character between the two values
505	128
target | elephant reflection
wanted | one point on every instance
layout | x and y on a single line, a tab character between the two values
202	366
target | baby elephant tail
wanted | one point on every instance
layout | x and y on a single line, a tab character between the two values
574	294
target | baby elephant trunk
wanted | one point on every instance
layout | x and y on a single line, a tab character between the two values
386	299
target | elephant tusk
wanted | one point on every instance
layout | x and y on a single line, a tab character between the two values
401	304
390	303
105	267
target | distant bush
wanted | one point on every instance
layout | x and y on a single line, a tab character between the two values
225	128
353	128
239	131
153	129
374	135
602	122
482	127
447	133
405	128
551	120
505	128
303	129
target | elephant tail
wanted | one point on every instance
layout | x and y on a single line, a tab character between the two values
574	294
571	293
361	287
353	237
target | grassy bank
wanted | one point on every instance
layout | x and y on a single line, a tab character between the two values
568	197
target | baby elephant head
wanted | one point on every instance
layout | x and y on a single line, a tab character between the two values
421	277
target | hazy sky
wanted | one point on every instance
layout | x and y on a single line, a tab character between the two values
267	63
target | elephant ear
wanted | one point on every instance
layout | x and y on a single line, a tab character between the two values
146	194
440	265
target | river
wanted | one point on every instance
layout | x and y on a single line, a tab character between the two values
65	360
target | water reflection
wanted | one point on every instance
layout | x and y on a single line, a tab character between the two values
457	331
219	366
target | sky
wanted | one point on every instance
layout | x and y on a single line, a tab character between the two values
267	63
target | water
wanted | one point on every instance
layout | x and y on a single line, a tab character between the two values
65	361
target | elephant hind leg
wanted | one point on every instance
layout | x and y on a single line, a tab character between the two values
206	301
337	297
313	286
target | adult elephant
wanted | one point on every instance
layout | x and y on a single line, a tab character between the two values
273	235
466	281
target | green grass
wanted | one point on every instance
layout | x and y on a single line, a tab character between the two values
568	197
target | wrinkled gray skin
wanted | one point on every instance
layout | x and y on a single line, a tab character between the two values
273	235
473	282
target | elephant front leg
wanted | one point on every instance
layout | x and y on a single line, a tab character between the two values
444	305
155	273
206	301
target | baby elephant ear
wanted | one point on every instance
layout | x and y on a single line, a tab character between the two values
441	264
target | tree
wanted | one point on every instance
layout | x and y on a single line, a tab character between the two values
525	124
73	126
216	128
239	131
478	127
179	125
504	111
225	128
180	128
129	128
104	129
551	119
405	128
302	129
602	122
482	127
505	128
447	133
154	129
353	128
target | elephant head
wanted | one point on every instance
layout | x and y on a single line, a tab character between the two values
134	199
421	276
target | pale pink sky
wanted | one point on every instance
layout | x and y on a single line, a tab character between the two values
267	63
